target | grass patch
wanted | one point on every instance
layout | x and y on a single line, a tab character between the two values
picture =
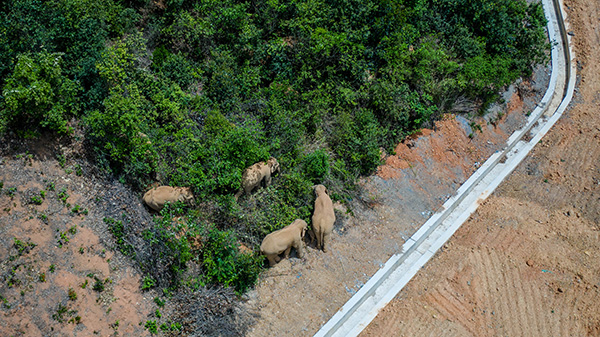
151	326
72	294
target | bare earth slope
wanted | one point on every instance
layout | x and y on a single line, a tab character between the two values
526	263
59	275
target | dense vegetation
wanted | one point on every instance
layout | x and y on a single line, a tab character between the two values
190	93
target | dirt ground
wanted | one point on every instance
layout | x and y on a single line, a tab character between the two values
526	263
63	271
58	275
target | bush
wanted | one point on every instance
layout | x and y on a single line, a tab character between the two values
230	83
225	264
316	166
147	283
356	140
37	94
116	130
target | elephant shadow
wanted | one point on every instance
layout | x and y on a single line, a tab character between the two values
339	226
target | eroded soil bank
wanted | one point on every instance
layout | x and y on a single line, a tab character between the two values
59	274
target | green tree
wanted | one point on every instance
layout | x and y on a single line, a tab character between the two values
38	94
118	129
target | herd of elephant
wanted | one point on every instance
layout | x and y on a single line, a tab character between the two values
280	241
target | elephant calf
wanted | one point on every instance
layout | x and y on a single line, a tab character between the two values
256	174
157	197
282	241
323	217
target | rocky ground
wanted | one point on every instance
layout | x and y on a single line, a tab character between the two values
59	273
68	235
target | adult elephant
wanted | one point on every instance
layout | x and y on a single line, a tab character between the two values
257	174
282	241
157	197
323	217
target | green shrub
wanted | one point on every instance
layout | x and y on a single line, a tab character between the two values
159	302
23	247
11	192
225	264
148	283
169	250
72	294
37	93
356	140
98	285
36	200
62	195
116	129
118	230
151	326
316	166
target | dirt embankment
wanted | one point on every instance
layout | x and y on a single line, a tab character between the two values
59	275
526	263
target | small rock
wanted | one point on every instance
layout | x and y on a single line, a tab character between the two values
529	262
559	289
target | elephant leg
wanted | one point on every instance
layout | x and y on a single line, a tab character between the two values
319	240
299	249
311	233
273	259
326	237
286	254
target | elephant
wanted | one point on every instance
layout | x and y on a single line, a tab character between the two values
157	197
254	175
323	218
282	241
